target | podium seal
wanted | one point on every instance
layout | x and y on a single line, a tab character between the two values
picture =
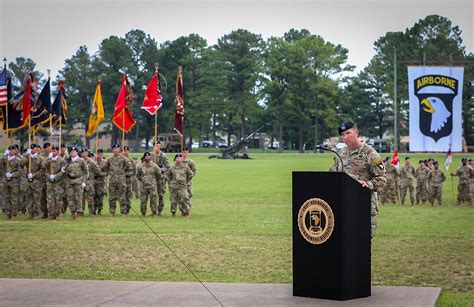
315	221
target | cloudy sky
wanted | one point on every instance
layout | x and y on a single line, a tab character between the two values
50	31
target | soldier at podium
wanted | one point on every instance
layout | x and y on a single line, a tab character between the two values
364	164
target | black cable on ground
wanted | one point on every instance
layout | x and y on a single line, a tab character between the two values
182	262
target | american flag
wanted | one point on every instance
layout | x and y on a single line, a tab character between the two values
3	87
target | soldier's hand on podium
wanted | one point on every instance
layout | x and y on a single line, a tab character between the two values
363	183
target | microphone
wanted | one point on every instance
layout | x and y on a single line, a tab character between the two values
327	149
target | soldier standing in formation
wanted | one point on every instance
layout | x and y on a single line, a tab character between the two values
35	176
63	153
391	172
421	175
76	173
333	167
100	183
179	176
161	160
192	166
117	167
94	172
436	178
466	175
45	154
364	164
407	176
12	168
54	183
130	176
149	174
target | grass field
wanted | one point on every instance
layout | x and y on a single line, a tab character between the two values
240	231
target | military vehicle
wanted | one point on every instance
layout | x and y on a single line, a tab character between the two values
236	151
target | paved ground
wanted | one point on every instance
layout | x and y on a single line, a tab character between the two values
50	292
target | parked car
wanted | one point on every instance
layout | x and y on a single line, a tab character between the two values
206	144
381	145
340	146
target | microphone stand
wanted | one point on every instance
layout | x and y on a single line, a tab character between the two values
327	149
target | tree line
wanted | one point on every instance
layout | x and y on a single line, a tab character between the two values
297	85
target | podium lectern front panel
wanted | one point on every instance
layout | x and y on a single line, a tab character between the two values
331	236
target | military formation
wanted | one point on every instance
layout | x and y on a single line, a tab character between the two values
44	182
425	183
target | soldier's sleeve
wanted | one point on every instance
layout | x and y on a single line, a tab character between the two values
17	169
166	164
139	173
40	172
85	169
190	174
128	167
60	174
193	168
443	176
377	172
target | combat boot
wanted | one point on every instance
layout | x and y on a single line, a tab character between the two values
13	217
99	212
73	216
160	213
173	214
45	216
35	216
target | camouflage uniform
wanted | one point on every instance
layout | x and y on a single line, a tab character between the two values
435	182
100	186
94	172
54	185
76	174
192	166
465	175
12	165
130	176
117	167
149	174
44	202
24	187
65	185
179	177
35	184
388	194
407	175
162	161
421	175
364	163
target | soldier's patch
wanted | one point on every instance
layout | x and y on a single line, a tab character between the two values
380	164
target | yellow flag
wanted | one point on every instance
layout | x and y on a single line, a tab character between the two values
97	112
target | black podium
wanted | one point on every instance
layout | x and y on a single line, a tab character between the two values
331	236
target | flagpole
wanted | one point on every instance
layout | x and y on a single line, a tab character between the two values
156	112
60	129
6	107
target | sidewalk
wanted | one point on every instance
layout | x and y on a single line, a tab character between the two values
51	292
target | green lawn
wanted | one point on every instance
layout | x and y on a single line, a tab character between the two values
240	231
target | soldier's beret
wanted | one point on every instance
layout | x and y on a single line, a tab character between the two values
84	149
185	148
73	148
16	146
407	158
33	145
178	155
346	125
463	159
100	151
421	161
147	154
55	148
63	145
436	162
126	148
156	143
90	154
116	146
46	145
11	147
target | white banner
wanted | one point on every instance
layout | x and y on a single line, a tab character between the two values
435	95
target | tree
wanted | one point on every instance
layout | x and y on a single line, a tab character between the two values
241	52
